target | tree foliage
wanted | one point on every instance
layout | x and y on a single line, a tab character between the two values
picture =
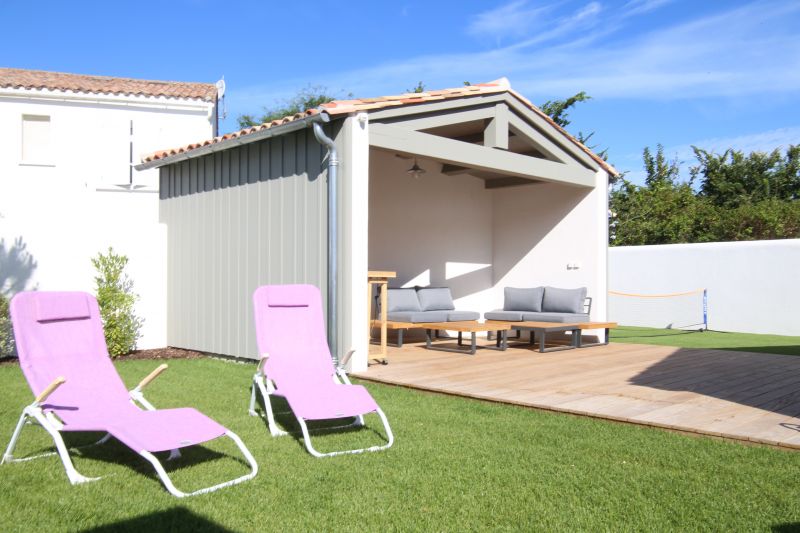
7	347
731	196
116	299
557	109
308	98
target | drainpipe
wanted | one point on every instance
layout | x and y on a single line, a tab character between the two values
333	164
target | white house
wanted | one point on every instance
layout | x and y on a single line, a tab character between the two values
508	199
68	189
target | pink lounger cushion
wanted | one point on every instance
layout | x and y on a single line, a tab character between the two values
291	329
60	334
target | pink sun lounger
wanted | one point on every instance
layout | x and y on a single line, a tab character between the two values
296	364
62	352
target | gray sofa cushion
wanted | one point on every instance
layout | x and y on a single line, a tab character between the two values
435	299
402	300
456	316
418	316
523	299
511	316
555	317
563	300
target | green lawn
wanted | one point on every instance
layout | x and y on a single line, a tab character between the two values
457	464
721	340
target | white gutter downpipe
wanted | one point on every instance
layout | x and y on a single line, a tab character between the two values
333	255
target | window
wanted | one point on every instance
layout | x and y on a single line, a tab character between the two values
36	147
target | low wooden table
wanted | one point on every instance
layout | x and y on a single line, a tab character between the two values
542	329
471	327
607	326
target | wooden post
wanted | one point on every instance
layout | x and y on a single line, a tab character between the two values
381	280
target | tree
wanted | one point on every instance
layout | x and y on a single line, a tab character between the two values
740	197
308	98
557	109
420	88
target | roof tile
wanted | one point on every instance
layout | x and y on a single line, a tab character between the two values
60	81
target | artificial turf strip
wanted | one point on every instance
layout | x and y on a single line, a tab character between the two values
719	340
457	464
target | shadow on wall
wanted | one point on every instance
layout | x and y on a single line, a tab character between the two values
760	380
175	519
16	270
16	267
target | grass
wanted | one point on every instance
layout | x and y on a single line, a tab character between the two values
457	464
720	340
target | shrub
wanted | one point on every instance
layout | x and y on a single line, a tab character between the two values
116	299
7	347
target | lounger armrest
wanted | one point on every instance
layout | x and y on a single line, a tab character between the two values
346	359
261	363
151	376
50	389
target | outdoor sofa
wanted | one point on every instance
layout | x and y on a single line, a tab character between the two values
543	304
421	305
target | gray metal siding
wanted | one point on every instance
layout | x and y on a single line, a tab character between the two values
237	219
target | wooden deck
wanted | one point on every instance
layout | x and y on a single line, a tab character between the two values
743	396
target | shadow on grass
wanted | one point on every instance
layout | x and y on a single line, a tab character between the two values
788	527
286	420
176	519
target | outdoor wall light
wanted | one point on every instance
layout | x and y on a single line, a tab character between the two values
416	170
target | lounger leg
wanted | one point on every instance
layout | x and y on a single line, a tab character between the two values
315	453
258	381
175	492
35	412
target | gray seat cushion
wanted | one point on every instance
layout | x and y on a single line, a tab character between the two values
523	299
456	316
511	316
418	316
555	317
402	300
563	300
435	299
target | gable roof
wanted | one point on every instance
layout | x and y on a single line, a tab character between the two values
17	78
342	107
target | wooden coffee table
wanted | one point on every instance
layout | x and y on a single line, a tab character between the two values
471	327
542	329
607	326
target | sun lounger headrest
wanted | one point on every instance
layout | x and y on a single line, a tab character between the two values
290	296
62	306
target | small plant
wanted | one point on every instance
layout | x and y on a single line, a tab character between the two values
116	299
7	347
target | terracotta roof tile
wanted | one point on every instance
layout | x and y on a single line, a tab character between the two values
38	79
340	107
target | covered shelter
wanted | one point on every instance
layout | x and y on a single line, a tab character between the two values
473	188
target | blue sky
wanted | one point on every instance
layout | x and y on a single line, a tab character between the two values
676	72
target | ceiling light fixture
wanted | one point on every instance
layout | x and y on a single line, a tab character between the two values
416	170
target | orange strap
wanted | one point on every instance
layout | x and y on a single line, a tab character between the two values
655	295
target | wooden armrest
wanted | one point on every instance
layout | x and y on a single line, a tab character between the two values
50	389
346	359
260	367
151	376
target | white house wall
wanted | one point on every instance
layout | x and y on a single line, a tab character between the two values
752	286
63	212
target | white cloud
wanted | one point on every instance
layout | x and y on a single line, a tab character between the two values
765	141
514	19
743	51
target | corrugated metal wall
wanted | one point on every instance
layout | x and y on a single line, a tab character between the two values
237	219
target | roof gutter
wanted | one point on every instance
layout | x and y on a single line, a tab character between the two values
236	141
333	252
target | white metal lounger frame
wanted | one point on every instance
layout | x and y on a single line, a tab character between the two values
34	414
265	385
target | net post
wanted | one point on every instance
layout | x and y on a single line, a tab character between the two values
705	309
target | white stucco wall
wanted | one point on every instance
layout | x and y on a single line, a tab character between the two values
752	286
555	235
63	212
452	231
